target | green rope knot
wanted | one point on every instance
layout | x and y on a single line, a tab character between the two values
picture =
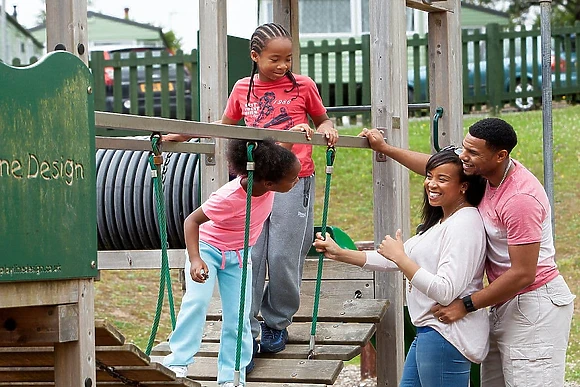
250	165
330	155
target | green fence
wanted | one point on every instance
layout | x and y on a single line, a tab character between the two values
168	85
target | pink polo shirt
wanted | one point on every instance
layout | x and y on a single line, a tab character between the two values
226	210
516	213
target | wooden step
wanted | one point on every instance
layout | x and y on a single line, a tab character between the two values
272	370
124	355
292	351
330	310
153	373
299	333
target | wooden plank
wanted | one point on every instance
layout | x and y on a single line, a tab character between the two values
107	335
22	294
151	259
437	6
446	89
329	310
184	382
263	384
137	144
66	24
273	370
128	355
327	333
292	351
39	325
153	372
74	361
390	180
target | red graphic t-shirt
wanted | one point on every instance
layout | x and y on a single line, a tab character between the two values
278	105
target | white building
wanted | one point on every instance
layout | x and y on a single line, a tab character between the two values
16	42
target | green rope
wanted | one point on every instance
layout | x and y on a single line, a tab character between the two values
330	154
164	275
241	315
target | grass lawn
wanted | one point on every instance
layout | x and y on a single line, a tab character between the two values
127	299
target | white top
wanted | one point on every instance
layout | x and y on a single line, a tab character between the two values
452	256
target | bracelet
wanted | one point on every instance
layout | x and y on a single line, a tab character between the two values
468	303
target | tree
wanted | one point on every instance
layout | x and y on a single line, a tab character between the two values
173	42
564	12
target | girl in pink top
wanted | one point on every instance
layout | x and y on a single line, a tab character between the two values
214	237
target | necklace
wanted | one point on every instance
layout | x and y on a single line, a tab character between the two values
505	173
459	206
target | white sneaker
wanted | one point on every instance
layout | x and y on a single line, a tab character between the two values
230	384
180	371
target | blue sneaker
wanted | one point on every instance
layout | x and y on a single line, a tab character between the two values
252	364
272	340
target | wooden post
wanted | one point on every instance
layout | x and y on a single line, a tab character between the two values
81	352
391	182
66	27
285	12
213	73
446	88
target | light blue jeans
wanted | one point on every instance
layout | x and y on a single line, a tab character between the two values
434	362
186	338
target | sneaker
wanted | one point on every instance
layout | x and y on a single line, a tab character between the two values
272	340
180	371
251	364
231	384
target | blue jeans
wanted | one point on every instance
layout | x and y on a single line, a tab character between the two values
186	339
434	362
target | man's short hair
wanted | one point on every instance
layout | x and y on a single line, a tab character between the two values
497	134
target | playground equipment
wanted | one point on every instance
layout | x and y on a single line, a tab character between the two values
67	29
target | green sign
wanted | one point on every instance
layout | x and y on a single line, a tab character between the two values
47	171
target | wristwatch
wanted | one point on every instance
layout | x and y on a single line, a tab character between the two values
469	307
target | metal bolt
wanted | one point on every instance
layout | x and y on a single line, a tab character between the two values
89	90
93	265
81	48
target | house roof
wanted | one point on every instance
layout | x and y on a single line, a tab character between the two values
485	9
15	23
92	14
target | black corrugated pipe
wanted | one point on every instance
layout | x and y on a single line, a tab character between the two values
126	208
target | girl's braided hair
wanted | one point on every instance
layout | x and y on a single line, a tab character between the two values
272	161
260	38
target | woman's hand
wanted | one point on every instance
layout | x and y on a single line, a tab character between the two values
327	246
199	271
393	249
376	139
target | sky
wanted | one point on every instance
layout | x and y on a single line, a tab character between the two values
181	16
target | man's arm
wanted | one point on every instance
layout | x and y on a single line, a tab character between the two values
415	161
522	273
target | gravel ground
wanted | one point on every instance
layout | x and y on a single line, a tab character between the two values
350	377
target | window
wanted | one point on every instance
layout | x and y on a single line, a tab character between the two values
325	17
341	18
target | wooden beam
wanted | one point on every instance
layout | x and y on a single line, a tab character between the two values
17	294
74	362
285	12
204	129
213	74
39	325
436	6
445	89
145	145
391	181
66	27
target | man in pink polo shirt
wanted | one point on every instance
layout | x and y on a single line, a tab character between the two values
530	304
